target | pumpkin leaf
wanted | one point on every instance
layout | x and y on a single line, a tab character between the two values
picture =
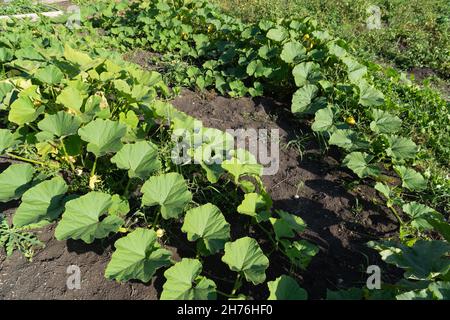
286	288
207	223
103	136
15	180
137	256
140	159
44	201
244	255
185	283
61	124
82	218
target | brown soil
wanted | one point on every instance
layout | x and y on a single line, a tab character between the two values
339	221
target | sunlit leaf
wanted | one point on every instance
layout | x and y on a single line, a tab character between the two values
103	136
286	288
83	218
15	180
244	255
208	224
45	201
168	191
140	159
137	256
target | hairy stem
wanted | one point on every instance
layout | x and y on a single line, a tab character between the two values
237	285
67	156
13	156
94	167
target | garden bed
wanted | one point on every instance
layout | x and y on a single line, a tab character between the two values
27	10
339	221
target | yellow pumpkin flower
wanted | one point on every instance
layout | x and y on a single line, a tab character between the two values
350	120
93	181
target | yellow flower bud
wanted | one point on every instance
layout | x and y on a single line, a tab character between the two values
160	233
350	120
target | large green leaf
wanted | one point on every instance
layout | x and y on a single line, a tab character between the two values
82	218
384	122
15	180
287	225
71	98
356	71
253	204
23	111
44	201
29	53
6	54
423	294
137	256
214	145
5	88
168	190
140	159
61	124
306	72
145	77
440	290
323	120
401	148
359	163
437	290
103	136
119	207
368	95
425	260
79	58
185	283
384	189
207	223
7	140
292	50
244	255
49	75
411	179
242	163
286	288
440	226
421	214
303	97
348	139
257	69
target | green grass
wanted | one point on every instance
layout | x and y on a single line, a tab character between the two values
22	7
413	33
427	121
